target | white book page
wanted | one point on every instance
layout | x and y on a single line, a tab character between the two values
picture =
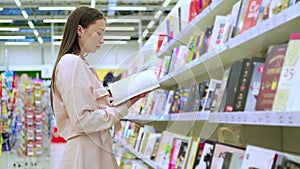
133	85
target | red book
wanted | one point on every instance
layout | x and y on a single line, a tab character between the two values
270	77
251	15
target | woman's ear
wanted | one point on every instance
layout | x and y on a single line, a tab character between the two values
80	31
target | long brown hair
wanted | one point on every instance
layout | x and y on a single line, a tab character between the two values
84	16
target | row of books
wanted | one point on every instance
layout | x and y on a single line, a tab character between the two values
255	83
174	151
244	15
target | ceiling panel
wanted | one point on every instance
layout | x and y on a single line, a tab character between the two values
10	10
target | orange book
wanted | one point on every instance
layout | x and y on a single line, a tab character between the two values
252	14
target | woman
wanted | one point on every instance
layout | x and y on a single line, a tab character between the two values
79	101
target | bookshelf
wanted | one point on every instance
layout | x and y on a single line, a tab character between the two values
211	65
277	130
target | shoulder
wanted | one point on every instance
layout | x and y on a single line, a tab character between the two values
69	59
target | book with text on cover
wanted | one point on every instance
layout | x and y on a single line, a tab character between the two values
133	85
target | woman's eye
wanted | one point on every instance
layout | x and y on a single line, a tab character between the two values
99	33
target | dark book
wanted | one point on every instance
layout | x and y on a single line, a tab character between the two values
244	82
270	78
176	102
231	87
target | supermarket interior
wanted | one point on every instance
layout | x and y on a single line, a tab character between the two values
170	84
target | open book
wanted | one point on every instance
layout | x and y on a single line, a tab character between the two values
139	83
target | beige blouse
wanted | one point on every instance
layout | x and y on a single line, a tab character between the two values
80	102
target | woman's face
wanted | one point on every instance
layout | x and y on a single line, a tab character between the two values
91	38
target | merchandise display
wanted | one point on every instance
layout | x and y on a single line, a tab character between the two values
218	76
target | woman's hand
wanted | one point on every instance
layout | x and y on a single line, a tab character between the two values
133	100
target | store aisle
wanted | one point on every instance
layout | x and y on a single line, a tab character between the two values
11	161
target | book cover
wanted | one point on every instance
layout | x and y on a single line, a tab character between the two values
132	86
192	152
206	156
269	82
153	138
231	87
168	102
218	32
294	98
254	86
209	96
240	22
244	83
164	149
220	152
287	73
252	13
257	157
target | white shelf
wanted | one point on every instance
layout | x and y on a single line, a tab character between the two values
199	24
211	65
270	118
147	160
186	116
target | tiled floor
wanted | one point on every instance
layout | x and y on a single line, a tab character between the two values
11	161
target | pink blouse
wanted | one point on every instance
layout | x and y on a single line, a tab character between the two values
80	102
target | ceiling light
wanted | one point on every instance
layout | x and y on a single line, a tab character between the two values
16	43
54	8
36	33
57	43
127	8
145	33
93	3
123	20
115	42
30	24
117	37
150	25
12	37
119	28
55	20
57	37
18	3
166	3
24	14
1	9
40	40
6	20
157	15
9	29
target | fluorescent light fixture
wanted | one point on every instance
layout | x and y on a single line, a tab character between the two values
6	20
93	3
115	42
9	29
18	3
36	33
55	20
117	37
57	43
40	40
123	20
145	33
150	25
30	24
127	8
1	9
54	8
157	14
12	37
166	3
57	37
119	28
16	43
24	14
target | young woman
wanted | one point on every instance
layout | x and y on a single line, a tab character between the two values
80	103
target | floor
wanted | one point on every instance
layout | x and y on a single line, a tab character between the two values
11	161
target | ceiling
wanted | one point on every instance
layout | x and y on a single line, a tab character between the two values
136	21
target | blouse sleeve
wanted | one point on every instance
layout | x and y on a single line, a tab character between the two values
88	110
